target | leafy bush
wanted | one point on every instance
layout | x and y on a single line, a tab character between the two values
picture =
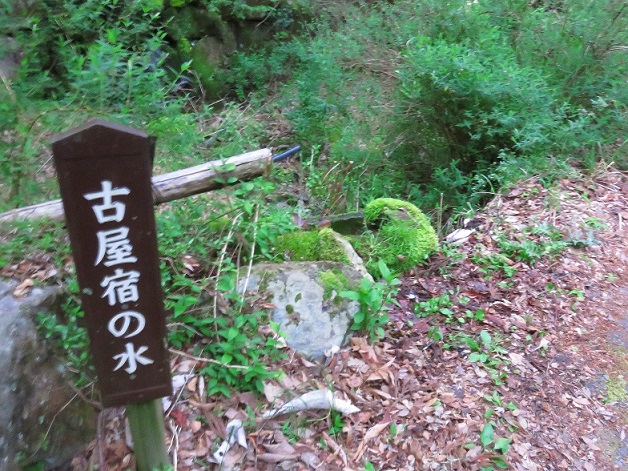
452	98
474	104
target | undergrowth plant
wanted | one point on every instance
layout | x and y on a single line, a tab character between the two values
67	331
374	299
439	103
206	246
442	103
201	267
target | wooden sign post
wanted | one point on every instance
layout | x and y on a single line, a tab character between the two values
104	173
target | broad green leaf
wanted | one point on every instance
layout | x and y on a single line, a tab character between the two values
350	295
476	357
473	345
383	269
232	333
486	338
486	436
499	462
502	444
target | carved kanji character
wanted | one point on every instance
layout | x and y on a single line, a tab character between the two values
121	287
131	358
115	245
109	210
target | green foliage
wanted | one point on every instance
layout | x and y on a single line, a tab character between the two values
20	240
404	237
434	102
241	351
489	263
616	389
374	299
437	305
529	246
68	332
99	44
530	251
461	97
336	422
235	8
225	325
79	60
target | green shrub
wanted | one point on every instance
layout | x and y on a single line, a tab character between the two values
374	299
471	104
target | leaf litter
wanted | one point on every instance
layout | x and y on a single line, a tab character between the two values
504	375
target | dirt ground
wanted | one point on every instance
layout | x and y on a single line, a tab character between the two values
508	351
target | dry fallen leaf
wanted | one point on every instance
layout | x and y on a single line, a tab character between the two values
195	426
23	288
516	358
590	443
272	391
370	434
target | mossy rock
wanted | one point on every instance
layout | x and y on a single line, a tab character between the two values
404	236
333	282
208	61
306	302
312	246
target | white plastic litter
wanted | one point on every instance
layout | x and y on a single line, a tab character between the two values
235	433
459	236
320	399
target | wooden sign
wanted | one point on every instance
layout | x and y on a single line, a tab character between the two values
104	172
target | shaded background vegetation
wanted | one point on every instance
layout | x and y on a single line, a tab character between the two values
404	99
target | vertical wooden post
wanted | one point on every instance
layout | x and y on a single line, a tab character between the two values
146	421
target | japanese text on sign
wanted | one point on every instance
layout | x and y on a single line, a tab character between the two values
120	287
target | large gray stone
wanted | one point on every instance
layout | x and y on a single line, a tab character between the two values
311	315
41	418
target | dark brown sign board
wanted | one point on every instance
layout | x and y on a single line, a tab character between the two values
104	172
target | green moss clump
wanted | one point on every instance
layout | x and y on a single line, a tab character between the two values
332	281
312	246
616	389
389	207
404	236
